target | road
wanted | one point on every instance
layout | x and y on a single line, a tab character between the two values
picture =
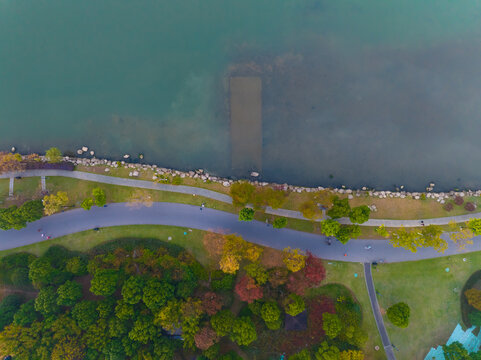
225	198
377	313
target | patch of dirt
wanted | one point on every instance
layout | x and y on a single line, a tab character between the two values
84	281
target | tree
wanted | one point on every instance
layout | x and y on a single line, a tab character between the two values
252	252
359	214
46	301
455	351
104	282
279	223
105	307
211	303
429	236
381	230
278	276
87	204
398	314
76	265
26	314
31	211
222	322
156	293
475	318
246	214
351	355
132	290
41	272
205	338
294	305
125	311
143	330
475	226
229	263
314	271
243	331
330	227
310	210
11	162
271	314
54	203
69	293
247	290
473	296
294	259
69	348
347	232
10	218
304	354
99	197
169	316
327	352
53	155
85	314
331	324
8	307
241	193
340	208
257	272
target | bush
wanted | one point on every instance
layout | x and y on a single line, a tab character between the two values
458	200
246	214
241	193
87	204
398	314
53	155
294	305
8	307
469	206
99	196
177	180
475	318
359	214
279	223
341	208
225	283
448	206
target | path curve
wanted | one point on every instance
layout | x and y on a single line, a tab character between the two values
183	189
190	216
386	343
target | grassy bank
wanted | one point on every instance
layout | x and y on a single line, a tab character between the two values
433	295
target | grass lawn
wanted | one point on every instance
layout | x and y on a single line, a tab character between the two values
339	272
4	183
433	295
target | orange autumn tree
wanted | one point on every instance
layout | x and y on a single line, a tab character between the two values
235	249
294	259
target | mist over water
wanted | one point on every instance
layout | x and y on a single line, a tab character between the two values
372	93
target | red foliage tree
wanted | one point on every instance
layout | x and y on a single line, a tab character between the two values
211	303
205	338
297	283
314	271
247	289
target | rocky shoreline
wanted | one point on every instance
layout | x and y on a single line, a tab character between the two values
203	175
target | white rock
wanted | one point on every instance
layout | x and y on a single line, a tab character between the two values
85	149
92	152
79	151
416	197
226	183
254	174
130	173
107	169
135	173
13	149
182	176
350	197
126	156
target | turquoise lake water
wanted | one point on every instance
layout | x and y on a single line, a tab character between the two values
358	92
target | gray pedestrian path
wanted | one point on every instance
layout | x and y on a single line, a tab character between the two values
10	187
44	184
145	184
386	343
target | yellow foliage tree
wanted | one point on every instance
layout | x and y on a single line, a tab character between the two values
229	263
234	245
53	203
351	355
474	298
460	235
429	236
253	252
310	210
294	259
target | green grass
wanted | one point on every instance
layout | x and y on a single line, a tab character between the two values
433	295
338	272
4	183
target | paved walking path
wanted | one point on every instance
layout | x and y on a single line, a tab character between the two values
10	187
145	184
386	343
44	184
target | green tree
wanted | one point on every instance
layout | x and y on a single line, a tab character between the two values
455	351
26	314
475	226
294	305
243	331
46	301
310	210
77	266
104	282
87	203
340	208
331	324
106	307
241	193
156	293
143	330
257	272
117	327
69	293
99	197
124	311
68	348
271	314
359	214
169	315
222	322
347	232
246	214
85	314
429	236
132	290
53	203
475	318
330	227
398	314
8	307
327	352
53	155
381	230
279	223
10	218
304	354
31	211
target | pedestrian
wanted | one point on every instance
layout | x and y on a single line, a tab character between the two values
345	254
43	234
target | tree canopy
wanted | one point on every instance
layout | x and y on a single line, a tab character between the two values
398	314
246	214
53	155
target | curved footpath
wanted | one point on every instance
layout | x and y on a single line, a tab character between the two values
183	189
190	216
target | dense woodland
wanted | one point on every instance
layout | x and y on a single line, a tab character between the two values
148	299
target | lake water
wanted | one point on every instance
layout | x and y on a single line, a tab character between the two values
358	92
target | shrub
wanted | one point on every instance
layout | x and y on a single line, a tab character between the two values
473	296
398	314
458	200
241	193
359	214
87	204
246	214
310	210
448	206
469	206
8	307
294	305
99	196
341	208
422	196
271	314
331	324
475	318
53	155
279	223
177	180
